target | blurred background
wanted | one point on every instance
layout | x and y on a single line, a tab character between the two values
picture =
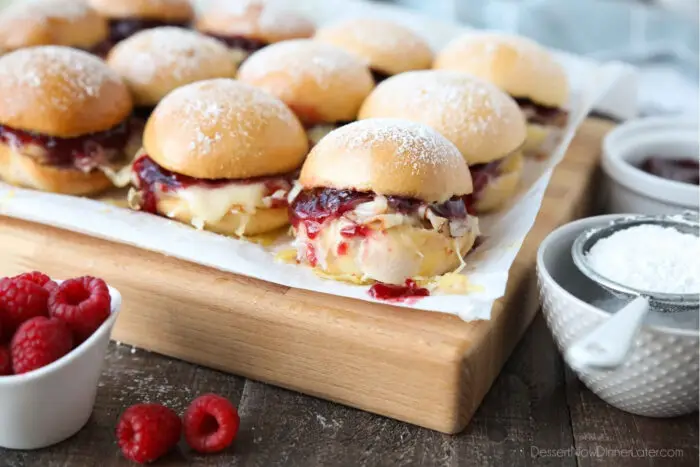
659	37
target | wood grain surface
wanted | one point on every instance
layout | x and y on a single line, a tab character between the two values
429	369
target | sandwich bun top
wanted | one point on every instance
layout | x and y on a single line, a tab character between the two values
481	120
156	61
60	91
51	22
162	10
386	47
265	20
222	128
388	157
319	82
518	65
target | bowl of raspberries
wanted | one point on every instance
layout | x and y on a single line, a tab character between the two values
53	339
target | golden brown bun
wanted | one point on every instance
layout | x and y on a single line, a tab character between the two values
222	128
482	121
319	82
60	91
51	22
518	65
388	157
385	46
233	223
396	254
163	10
501	188
156	61
266	20
21	170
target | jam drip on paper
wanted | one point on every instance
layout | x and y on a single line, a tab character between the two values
398	293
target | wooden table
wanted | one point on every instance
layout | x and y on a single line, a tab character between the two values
536	406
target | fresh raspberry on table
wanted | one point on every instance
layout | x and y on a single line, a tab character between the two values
21	300
38	342
211	423
5	361
83	303
146	432
38	278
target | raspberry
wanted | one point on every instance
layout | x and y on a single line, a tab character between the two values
5	361
38	278
146	432
211	423
21	300
83	303
38	342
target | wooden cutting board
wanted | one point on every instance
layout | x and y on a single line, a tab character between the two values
429	369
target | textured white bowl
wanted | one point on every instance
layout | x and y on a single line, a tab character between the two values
631	190
51	404
659	377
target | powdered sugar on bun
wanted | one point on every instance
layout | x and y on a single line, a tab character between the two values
222	128
320	82
60	91
518	65
480	119
165	10
388	157
44	10
386	46
267	20
156	61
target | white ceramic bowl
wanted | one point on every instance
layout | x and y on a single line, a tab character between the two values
631	190
659	376
51	404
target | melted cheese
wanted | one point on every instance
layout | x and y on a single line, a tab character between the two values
317	132
210	205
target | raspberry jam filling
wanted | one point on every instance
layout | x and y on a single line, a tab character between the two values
246	44
378	76
312	208
678	170
397	293
542	114
151	178
82	152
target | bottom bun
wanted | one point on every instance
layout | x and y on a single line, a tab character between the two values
235	224
502	187
390	256
18	169
541	140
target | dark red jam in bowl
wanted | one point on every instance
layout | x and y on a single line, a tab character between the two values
684	170
378	76
397	293
314	207
542	114
247	44
82	152
151	177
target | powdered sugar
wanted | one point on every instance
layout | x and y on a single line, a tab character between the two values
81	77
170	51
379	34
43	10
649	258
274	16
416	144
304	59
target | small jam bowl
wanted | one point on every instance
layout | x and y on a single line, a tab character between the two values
51	404
659	374
631	190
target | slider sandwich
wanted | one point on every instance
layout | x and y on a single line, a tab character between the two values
322	84
388	48
127	17
64	121
71	23
383	200
220	155
482	121
523	69
157	61
247	26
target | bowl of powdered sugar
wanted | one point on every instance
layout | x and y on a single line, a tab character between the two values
620	294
